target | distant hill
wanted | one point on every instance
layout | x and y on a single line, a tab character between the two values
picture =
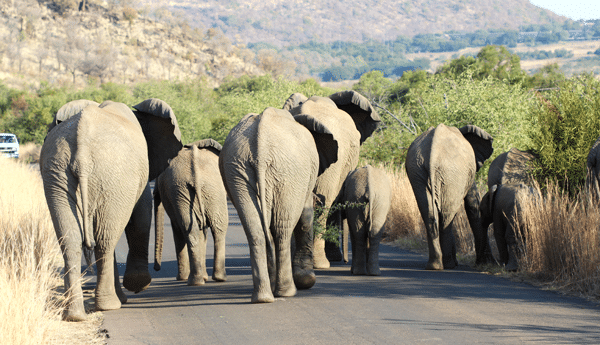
53	41
290	22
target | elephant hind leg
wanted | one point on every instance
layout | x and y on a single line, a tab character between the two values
219	273
106	296
284	286
448	246
433	241
303	271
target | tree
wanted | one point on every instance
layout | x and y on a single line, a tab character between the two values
41	53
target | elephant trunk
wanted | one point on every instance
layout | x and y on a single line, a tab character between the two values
159	225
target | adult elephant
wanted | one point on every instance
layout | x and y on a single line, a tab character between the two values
441	164
504	206
95	167
191	191
351	119
513	166
269	164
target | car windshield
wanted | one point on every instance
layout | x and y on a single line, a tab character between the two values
7	139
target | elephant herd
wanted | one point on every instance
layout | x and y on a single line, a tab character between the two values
276	168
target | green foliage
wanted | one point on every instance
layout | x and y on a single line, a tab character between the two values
331	232
494	61
500	109
544	54
549	76
569	123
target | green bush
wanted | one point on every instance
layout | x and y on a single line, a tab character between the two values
568	125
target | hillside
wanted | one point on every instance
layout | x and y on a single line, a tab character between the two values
290	22
47	40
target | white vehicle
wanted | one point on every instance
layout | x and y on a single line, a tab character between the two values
9	145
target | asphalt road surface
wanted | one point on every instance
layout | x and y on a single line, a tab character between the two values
405	305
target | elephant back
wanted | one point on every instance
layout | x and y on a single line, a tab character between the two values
68	110
209	144
294	101
513	166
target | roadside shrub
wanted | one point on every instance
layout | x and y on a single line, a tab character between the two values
568	125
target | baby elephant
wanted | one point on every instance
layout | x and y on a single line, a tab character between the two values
195	199
370	189
503	205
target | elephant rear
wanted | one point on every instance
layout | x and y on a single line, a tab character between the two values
269	164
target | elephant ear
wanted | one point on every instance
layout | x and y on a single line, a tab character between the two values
210	144
294	101
327	146
68	110
162	133
360	109
480	141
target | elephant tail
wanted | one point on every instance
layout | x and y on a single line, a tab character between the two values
261	175
88	236
196	177
159	227
368	192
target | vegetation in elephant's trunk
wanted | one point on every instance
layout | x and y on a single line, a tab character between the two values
30	263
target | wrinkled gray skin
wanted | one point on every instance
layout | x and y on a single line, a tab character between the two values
95	167
512	166
351	119
441	164
269	164
503	206
592	181
370	187
192	192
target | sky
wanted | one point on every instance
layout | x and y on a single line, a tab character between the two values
573	9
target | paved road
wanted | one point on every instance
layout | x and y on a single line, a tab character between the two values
406	305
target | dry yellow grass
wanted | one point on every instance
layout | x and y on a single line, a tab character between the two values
30	152
30	262
562	242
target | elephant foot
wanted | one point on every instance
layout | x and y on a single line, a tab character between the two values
121	295
75	314
333	253
263	297
321	262
374	270
197	281
219	276
181	276
289	291
107	303
487	259
137	281
450	264
305	279
358	270
434	265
